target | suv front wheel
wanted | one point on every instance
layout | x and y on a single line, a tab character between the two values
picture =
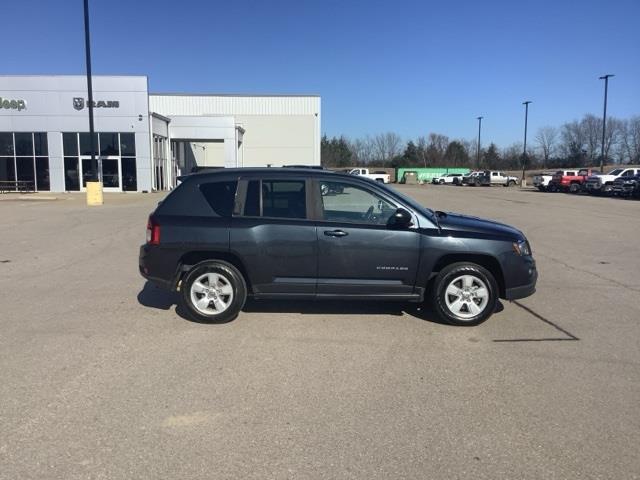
464	294
213	291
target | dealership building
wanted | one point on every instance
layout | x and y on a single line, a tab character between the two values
143	141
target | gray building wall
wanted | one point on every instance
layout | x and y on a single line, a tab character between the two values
278	129
49	108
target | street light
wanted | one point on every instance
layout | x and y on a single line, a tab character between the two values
478	153
94	187
524	153
604	117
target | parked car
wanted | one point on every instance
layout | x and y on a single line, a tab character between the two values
364	172
488	178
571	181
627	186
469	179
598	183
541	180
450	178
272	233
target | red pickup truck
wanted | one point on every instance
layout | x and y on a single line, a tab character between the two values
570	180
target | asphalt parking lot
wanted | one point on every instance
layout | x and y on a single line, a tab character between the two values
101	378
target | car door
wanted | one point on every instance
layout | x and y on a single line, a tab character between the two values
272	235
358	254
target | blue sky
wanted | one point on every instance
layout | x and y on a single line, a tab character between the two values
411	67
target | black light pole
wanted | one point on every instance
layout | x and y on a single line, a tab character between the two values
478	153
524	153
604	118
87	47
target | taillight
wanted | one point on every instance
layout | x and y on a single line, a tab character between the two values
153	231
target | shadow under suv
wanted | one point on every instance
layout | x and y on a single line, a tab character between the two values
311	234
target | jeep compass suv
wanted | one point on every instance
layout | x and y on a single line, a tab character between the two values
311	234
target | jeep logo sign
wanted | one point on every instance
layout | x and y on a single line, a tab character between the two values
79	103
9	104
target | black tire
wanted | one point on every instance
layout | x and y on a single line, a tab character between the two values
574	188
231	276
441	182
511	183
553	188
542	189
443	281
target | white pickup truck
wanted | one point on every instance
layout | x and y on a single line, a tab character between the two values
604	183
378	177
491	177
541	180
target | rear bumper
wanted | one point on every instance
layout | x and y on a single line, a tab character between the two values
147	266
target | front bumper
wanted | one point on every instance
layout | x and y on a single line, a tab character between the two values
524	290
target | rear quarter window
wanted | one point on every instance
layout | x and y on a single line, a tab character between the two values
220	196
195	199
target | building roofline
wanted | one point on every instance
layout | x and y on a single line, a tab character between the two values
17	75
183	94
161	117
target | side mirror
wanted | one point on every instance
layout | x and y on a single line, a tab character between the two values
400	219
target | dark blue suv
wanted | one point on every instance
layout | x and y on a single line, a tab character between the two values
311	234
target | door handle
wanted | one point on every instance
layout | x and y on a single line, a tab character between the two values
335	233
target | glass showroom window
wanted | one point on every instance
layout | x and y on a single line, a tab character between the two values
159	162
128	153
115	153
24	161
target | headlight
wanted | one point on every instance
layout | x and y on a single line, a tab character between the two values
522	248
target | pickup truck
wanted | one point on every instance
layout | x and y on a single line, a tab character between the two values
603	184
364	172
627	186
570	180
469	178
541	180
489	178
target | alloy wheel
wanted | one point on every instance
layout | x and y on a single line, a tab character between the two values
211	293
466	296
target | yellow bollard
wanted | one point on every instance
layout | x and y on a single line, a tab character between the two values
94	193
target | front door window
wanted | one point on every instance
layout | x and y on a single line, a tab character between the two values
343	202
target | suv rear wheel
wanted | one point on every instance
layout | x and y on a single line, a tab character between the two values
464	294
214	291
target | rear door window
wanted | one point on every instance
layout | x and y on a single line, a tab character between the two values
276	199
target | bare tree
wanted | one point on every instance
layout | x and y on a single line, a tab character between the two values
612	134
592	130
421	144
436	148
362	149
386	146
630	139
573	138
547	138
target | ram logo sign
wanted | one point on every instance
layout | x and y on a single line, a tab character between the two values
12	104
79	103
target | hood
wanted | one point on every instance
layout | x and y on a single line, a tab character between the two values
455	222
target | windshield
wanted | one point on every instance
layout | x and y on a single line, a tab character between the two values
615	171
